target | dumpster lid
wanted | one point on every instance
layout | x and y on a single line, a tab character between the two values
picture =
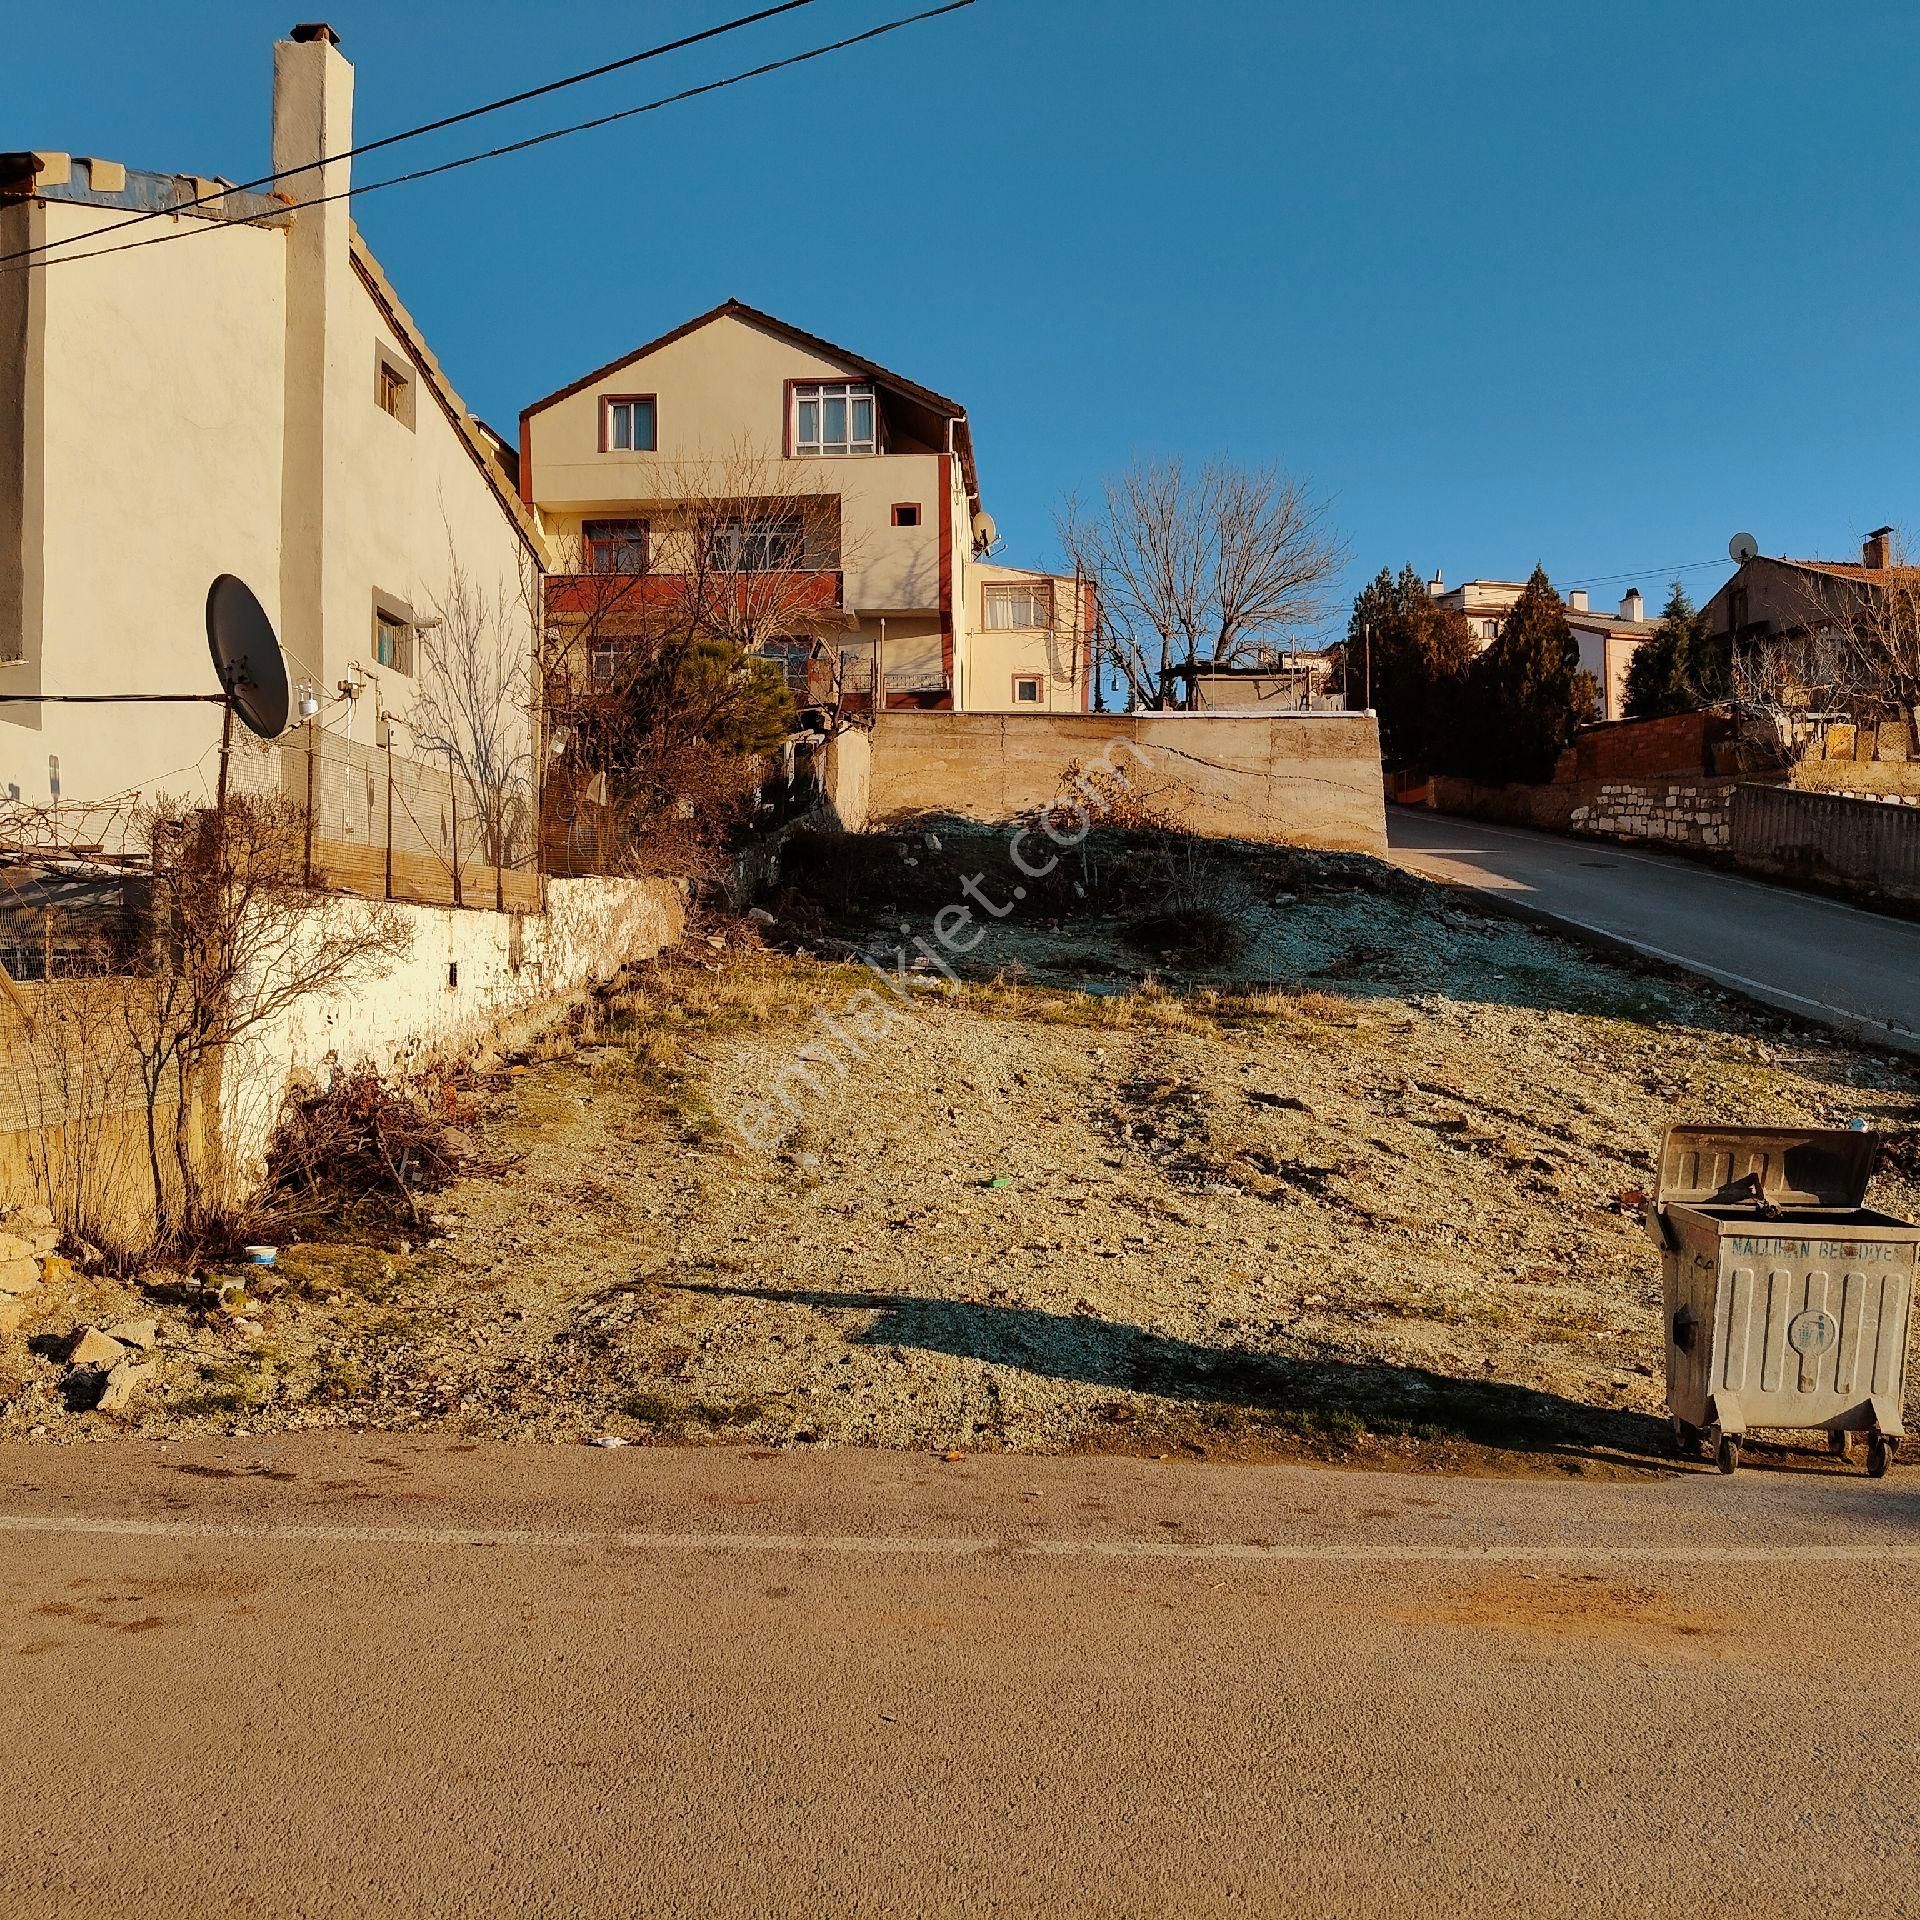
1796	1166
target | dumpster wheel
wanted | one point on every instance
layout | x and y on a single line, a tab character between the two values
1881	1447
1689	1443
1726	1450
1840	1442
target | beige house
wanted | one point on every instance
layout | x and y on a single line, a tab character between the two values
250	397
1607	641
830	507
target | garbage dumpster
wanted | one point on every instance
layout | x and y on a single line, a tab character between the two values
1788	1299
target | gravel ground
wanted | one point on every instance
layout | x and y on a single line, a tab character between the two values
1364	1192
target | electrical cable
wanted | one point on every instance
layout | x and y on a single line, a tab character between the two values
430	126
518	146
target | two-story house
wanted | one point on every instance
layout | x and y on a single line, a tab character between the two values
802	500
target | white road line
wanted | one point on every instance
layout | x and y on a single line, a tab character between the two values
1764	990
1761	989
916	1546
1547	844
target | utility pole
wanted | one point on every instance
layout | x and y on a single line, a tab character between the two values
1366	634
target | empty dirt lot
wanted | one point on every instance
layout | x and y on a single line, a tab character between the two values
1291	1156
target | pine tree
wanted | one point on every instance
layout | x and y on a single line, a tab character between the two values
1404	652
1678	666
1523	703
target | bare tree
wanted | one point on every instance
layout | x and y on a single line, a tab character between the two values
664	641
1849	651
235	940
1202	566
473	705
147	1031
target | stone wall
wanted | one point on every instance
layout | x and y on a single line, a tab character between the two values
1546	809
1892	782
1305	779
1692	813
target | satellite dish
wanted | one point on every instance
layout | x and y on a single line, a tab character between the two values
247	657
1742	548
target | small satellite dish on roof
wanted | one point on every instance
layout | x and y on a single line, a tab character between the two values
1742	548
246	656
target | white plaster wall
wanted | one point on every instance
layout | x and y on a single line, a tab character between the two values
209	407
417	1010
155	464
417	502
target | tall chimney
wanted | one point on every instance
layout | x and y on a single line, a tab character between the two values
1577	600
1437	585
1876	550
313	121
1632	606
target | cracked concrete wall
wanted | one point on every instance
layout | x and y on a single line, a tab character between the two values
1300	779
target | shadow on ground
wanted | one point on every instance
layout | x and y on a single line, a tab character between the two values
1329	1398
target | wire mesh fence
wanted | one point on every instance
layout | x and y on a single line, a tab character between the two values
381	824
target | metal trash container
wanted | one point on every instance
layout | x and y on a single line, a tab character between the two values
1788	1300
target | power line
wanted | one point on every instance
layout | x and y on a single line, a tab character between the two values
517	146
415	133
1641	573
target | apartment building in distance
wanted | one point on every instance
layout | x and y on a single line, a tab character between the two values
804	500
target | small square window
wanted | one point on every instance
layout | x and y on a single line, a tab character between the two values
392	388
1026	690
392	641
602	662
629	423
906	513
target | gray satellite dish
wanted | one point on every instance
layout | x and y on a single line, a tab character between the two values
1742	548
247	657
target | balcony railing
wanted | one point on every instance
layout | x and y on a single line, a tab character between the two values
799	590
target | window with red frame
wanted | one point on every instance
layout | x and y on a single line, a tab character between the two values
616	546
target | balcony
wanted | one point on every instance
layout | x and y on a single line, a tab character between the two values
823	679
768	593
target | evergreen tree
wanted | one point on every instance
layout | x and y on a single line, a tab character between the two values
1522	697
1404	652
1677	667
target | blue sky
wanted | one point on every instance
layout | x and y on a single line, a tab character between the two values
1590	284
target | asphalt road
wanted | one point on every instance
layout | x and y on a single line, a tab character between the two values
1819	958
372	1675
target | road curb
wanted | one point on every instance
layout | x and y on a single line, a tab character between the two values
1618	946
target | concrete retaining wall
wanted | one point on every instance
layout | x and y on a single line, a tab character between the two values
468	979
1305	779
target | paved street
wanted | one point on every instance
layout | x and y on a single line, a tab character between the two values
369	1674
1797	951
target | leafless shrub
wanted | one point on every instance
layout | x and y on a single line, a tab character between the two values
473	706
360	1152
143	1057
